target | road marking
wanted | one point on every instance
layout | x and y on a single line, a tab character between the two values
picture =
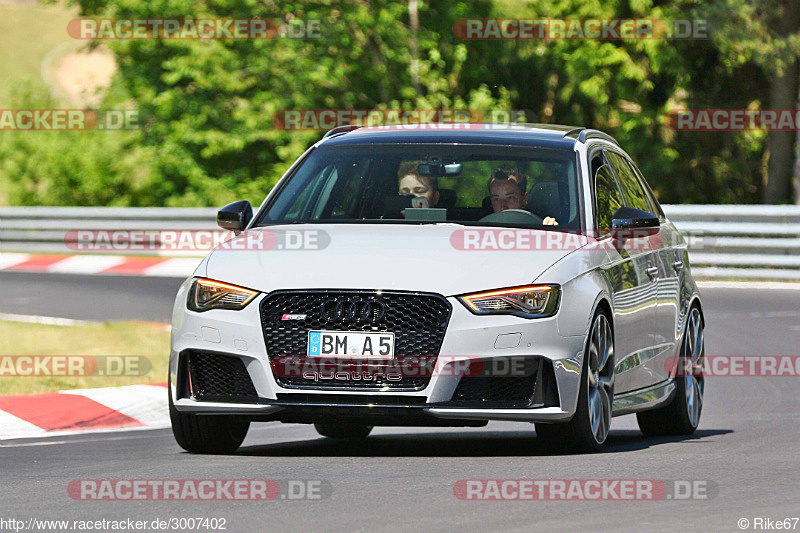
174	268
86	264
7	260
145	403
47	320
133	434
54	411
37	263
54	442
179	267
748	285
11	425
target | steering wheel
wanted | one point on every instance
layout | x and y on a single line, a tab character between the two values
513	216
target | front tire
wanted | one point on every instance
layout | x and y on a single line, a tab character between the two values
207	434
588	429
343	430
682	415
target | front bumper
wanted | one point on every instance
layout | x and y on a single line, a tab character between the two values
239	334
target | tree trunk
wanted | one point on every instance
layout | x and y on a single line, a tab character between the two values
797	163
783	95
413	19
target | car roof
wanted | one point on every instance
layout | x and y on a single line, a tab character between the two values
517	134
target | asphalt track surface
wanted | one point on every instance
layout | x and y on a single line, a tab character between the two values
402	479
88	297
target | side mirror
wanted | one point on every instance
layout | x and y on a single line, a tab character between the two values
628	222
235	216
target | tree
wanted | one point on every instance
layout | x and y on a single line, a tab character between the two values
211	103
766	33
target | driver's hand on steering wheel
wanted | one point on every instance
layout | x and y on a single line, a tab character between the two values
549	221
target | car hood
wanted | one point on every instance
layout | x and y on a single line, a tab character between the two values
425	258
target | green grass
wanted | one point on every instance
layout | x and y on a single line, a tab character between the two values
111	338
27	33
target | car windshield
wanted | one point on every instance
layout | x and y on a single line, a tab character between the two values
431	183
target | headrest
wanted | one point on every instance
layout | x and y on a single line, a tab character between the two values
447	198
544	200
486	205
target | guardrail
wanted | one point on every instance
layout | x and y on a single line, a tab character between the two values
725	241
741	241
45	229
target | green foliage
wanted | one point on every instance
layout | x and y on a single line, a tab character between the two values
71	167
210	104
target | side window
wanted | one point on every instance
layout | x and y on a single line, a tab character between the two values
597	162
632	191
341	198
650	196
607	198
301	206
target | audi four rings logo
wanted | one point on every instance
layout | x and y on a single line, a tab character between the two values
354	310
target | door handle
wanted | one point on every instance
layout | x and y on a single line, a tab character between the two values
652	272
678	266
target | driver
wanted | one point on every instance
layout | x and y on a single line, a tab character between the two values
411	183
508	190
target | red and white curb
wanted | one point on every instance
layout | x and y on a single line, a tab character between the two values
173	267
84	410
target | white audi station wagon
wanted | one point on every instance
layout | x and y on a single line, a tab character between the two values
443	275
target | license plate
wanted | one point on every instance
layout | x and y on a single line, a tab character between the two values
350	344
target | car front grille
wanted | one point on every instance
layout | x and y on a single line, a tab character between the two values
418	322
217	377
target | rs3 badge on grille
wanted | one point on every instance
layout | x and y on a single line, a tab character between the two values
350	344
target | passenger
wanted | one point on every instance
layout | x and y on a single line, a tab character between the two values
411	183
508	189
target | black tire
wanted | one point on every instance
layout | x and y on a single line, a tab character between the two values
578	435
343	430
674	418
207	434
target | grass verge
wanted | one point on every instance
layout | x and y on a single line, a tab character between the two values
106	339
27	33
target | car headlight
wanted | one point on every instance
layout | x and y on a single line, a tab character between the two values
208	294
536	301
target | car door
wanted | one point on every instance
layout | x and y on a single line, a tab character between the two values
672	249
633	291
641	370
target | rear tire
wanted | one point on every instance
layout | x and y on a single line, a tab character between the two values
207	434
343	430
682	415
588	429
